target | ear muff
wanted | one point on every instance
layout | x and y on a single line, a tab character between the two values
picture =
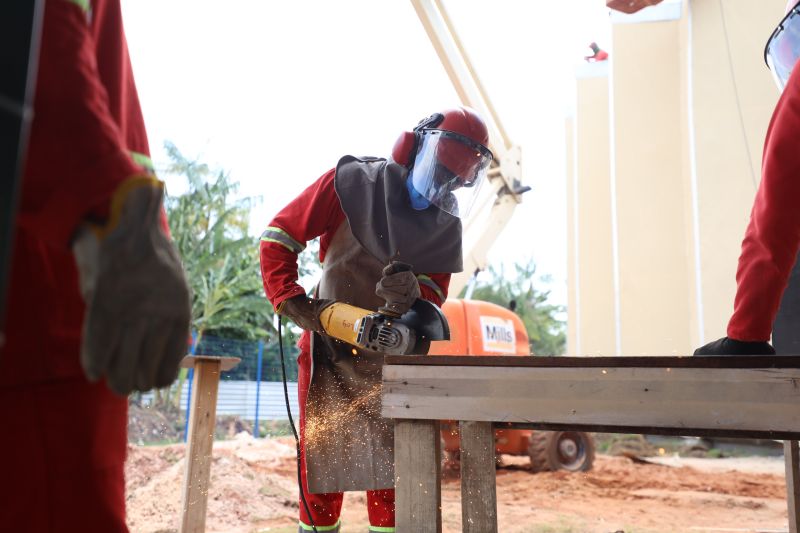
405	147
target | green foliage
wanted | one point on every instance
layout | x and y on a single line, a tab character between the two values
545	329
210	228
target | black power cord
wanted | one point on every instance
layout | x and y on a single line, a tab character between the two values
294	430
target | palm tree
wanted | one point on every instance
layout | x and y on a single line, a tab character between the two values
210	229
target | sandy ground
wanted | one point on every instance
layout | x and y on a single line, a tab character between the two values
253	488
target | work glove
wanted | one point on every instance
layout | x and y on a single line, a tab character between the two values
728	346
138	307
398	287
304	311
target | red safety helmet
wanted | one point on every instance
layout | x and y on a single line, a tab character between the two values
445	153
462	120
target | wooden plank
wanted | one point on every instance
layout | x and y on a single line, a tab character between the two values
478	490
417	464
200	442
226	362
777	361
761	401
792	457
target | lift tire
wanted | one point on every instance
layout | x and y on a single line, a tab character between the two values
561	450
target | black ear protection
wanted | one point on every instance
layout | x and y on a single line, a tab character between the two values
405	148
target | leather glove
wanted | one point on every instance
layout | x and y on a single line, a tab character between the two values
398	287
304	311
728	346
138	306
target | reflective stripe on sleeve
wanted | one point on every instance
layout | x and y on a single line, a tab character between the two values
377	529
143	161
83	4
277	235
428	282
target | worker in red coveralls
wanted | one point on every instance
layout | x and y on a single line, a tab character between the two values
98	304
598	54
772	239
367	212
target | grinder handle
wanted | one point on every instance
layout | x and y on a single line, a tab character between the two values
393	268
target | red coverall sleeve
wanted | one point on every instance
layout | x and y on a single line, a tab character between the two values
772	238
315	212
433	287
78	155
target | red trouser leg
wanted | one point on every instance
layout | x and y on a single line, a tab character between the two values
325	508
380	506
64	458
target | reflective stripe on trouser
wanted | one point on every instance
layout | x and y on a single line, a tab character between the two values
305	528
326	508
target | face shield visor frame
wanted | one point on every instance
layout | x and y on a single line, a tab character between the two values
783	47
448	171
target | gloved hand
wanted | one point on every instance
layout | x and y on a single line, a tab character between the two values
728	346
137	300
304	311
398	287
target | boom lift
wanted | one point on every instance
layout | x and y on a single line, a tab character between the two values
483	328
505	173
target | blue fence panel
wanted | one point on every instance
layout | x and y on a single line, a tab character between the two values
239	398
253	390
248	352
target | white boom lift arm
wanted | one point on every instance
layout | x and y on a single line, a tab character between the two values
505	173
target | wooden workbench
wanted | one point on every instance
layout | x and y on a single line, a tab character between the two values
744	397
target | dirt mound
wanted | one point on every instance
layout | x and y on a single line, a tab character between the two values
253	489
249	478
148	425
151	425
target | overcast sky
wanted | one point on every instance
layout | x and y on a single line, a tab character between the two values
276	92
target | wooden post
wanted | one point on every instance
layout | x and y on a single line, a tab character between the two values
417	463
478	490
792	457
202	422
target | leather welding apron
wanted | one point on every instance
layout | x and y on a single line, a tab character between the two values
348	445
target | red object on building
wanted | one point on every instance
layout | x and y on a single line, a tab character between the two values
70	439
598	54
772	239
630	6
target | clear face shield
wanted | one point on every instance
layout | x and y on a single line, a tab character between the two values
448	171
783	47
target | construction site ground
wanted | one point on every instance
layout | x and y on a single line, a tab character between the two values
254	487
